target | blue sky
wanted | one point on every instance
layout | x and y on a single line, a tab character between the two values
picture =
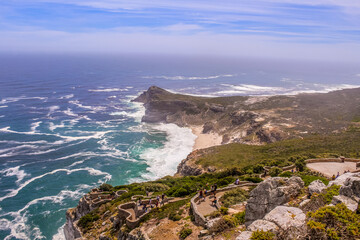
319	29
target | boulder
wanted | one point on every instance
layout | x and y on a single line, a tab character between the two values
290	220
351	188
209	224
263	225
316	187
349	203
270	194
342	178
245	235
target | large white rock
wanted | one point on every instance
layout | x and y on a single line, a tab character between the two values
316	186
245	235
269	194
349	203
291	220
263	225
351	187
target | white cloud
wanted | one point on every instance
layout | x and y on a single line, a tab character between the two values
199	43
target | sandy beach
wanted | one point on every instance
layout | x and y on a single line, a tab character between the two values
205	140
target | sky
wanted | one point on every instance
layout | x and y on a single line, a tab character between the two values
305	29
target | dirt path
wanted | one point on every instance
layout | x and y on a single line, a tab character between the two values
332	168
206	207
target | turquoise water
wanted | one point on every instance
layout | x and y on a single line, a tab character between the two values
67	124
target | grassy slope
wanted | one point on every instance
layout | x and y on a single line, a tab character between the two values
240	155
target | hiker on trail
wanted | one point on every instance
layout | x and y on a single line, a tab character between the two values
150	203
333	177
237	181
162	198
214	202
200	195
205	193
147	193
215	187
156	203
144	207
139	201
338	174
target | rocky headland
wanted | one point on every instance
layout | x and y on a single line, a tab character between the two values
285	207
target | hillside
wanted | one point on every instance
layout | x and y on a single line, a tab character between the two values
255	120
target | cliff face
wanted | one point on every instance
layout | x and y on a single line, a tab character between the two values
71	230
254	120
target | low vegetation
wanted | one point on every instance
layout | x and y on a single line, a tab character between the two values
234	197
281	153
334	222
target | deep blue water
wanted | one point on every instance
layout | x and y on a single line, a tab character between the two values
67	123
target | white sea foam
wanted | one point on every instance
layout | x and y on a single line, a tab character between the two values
67	96
60	234
91	171
164	160
16	99
52	109
19	228
70	113
190	78
93	108
95	135
35	125
108	90
14	171
4	106
53	126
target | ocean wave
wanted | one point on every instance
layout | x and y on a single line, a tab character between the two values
19	228
68	138
92	108
35	125
16	99
60	234
14	171
109	90
190	78
164	160
4	106
67	96
52	109
91	171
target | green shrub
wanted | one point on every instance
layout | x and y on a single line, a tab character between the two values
333	222
240	217
330	192
224	210
253	179
185	232
154	187
262	235
310	178
86	221
286	174
180	192
214	214
174	216
234	196
275	171
106	187
300	165
258	168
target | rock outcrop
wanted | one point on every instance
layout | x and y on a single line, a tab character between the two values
73	215
270	194
316	187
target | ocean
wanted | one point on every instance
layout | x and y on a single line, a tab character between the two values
67	123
